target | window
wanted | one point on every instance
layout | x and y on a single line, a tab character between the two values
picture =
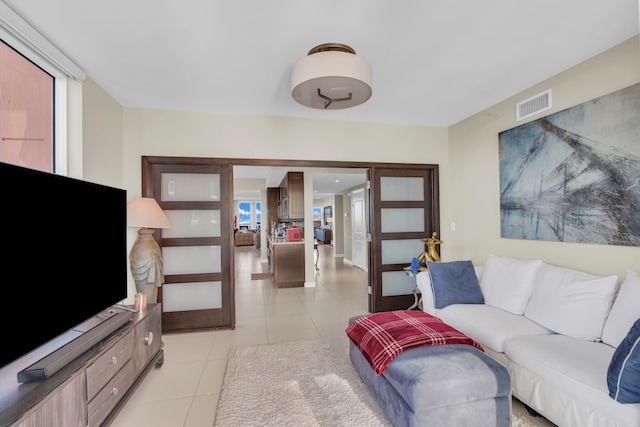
26	112
248	215
244	215
33	96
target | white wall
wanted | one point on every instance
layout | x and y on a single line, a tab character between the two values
467	155
473	199
190	134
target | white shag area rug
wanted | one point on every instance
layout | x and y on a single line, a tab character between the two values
302	383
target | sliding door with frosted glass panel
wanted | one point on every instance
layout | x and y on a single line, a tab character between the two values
197	251
404	211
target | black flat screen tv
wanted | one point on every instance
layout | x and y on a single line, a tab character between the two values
64	255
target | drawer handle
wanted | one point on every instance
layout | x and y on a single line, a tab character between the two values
114	360
114	391
148	339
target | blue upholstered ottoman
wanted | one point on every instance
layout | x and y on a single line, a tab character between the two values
440	385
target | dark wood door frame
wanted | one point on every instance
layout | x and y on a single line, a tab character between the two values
200	319
433	169
429	201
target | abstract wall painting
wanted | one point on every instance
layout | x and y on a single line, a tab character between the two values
574	176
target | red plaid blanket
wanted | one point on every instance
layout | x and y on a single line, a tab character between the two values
383	336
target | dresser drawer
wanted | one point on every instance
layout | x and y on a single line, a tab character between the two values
108	364
104	402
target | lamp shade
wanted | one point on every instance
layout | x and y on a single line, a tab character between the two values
331	77
145	212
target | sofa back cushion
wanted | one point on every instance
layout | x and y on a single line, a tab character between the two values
571	302
507	283
625	310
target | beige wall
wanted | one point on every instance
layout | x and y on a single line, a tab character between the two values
467	154
103	137
172	133
473	201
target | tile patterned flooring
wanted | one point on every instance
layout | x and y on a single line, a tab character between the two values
185	391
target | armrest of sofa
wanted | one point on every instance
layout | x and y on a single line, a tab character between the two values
423	282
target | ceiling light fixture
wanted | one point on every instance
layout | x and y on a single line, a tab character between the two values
331	77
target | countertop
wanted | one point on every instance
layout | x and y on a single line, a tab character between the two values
282	240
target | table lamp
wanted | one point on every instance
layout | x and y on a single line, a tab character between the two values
146	257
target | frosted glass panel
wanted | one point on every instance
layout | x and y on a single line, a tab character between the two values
401	220
191	259
193	223
191	296
401	188
401	251
193	187
397	283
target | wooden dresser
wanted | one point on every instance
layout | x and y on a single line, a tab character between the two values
91	390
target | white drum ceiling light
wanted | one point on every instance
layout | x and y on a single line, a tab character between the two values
331	77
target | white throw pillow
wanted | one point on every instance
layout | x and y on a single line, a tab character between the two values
571	302
507	283
625	310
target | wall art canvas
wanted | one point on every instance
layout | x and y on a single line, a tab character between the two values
574	176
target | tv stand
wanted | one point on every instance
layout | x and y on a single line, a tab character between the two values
93	387
58	359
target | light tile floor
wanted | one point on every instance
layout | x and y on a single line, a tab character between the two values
184	392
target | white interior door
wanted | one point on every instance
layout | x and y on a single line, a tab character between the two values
358	230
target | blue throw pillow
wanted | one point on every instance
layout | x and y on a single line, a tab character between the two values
623	376
454	282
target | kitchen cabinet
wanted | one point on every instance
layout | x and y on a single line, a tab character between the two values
286	262
291	197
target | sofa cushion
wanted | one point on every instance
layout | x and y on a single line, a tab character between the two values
488	325
569	363
454	282
571	302
623	375
567	378
625	310
507	283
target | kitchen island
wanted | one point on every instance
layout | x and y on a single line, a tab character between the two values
286	262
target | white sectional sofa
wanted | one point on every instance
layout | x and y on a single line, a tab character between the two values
556	329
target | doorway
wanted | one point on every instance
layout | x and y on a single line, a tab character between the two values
375	236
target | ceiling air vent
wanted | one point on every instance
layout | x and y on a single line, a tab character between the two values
534	105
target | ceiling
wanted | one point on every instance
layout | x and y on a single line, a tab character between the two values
434	63
326	182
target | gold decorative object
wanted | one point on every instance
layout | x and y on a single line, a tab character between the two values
429	255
